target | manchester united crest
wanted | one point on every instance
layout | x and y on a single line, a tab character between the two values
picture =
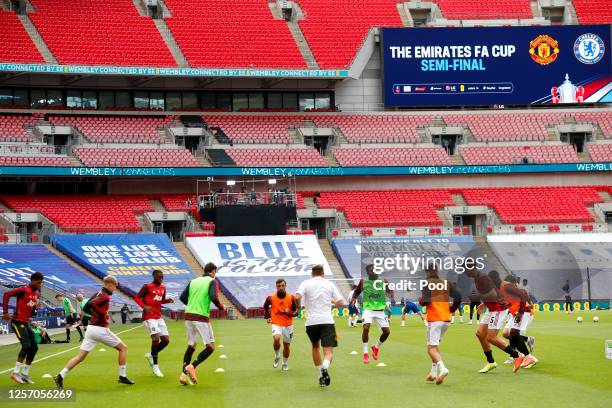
544	49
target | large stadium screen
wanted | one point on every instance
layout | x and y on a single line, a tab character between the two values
497	65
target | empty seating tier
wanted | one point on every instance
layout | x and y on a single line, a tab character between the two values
236	34
13	128
507	127
17	46
533	205
55	161
100	32
600	152
117	129
593	11
387	208
392	156
601	118
379	128
335	30
516	154
94	157
253	128
178	202
484	9
85	213
277	157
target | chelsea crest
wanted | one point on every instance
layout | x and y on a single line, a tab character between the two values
589	48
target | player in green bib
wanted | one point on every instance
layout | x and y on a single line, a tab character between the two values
375	290
84	315
71	316
197	297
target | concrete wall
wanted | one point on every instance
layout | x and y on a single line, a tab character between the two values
365	93
187	185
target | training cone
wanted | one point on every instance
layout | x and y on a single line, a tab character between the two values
220	346
219	370
353	353
47	375
222	356
102	349
381	365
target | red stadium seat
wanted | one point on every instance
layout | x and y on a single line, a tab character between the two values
124	157
101	32
85	213
17	46
236	34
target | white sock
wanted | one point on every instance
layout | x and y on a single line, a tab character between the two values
441	365
318	370
64	372
25	369
155	367
434	370
365	348
285	359
122	370
326	364
17	367
277	353
403	322
378	344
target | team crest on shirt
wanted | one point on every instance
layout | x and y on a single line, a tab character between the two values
544	49
589	48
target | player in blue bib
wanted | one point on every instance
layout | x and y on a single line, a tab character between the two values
410	307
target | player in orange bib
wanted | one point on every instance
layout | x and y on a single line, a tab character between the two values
438	319
280	309
519	317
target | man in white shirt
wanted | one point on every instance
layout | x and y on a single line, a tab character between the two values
319	295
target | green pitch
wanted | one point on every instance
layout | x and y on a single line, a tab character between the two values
572	371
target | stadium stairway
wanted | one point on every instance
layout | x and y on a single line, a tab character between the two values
171	43
309	203
75	162
157	205
405	16
195	266
338	273
605	196
446	221
298	35
331	161
458	199
492	261
218	157
143	224
37	39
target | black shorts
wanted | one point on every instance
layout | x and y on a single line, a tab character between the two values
325	333
71	319
85	321
24	333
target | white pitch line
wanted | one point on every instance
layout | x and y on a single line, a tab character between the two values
65	351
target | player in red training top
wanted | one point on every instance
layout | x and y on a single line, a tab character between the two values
151	298
98	332
493	320
27	302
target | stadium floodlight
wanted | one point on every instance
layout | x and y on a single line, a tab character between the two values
231	182
271	181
